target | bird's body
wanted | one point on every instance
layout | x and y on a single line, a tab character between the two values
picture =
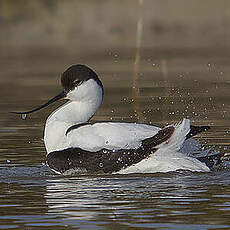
74	143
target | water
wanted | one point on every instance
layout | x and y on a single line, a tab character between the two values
170	86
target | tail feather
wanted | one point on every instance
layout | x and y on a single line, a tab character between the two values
173	137
194	130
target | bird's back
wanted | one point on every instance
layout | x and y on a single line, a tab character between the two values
93	136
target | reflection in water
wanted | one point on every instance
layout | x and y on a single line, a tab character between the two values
40	199
139	202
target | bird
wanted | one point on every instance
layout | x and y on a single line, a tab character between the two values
77	144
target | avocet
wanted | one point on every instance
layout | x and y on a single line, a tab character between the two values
76	144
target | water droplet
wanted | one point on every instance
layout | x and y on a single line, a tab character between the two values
24	116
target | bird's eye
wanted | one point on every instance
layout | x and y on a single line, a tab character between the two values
77	82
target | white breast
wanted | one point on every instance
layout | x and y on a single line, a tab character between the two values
84	102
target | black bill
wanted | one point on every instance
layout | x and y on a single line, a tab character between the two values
58	97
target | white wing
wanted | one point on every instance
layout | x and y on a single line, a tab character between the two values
110	135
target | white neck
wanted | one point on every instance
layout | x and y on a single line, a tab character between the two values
73	112
69	114
64	117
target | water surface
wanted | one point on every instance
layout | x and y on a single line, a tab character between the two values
169	85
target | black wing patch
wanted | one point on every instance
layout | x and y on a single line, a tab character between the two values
162	136
106	161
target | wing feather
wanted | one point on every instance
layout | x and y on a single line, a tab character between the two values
110	135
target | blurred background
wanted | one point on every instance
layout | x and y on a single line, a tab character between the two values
159	61
95	25
50	35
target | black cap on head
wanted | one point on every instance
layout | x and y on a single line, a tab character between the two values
72	77
76	75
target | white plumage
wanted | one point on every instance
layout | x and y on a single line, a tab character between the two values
111	136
